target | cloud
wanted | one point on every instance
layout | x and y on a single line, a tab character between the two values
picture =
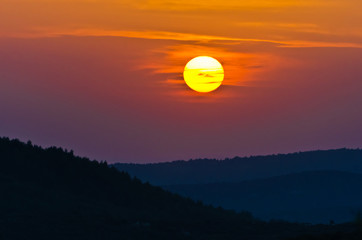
187	5
156	35
294	27
178	36
208	75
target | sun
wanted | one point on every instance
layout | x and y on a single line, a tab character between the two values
203	74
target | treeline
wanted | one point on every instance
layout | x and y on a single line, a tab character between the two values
52	194
237	169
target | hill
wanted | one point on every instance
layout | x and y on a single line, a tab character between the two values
314	186
238	169
315	197
52	194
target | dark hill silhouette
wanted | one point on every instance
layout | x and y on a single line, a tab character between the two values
315	186
52	194
244	168
315	197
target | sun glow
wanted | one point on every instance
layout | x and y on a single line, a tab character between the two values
203	74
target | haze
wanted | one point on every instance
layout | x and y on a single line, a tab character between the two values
104	78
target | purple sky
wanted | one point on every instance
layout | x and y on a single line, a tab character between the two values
120	99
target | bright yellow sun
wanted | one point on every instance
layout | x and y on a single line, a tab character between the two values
203	74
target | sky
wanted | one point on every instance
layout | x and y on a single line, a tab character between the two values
105	77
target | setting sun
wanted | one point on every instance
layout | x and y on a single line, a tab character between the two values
203	74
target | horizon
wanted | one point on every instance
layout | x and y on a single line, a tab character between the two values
105	78
181	119
50	186
179	160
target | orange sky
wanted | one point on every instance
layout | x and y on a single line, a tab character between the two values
105	77
316	20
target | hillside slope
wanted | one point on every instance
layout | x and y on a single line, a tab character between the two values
244	168
52	194
315	197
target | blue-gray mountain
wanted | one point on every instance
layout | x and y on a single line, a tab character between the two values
315	186
52	194
314	197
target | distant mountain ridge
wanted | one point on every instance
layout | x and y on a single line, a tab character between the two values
315	186
315	197
52	194
238	169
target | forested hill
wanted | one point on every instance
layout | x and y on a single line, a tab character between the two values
238	169
313	197
52	194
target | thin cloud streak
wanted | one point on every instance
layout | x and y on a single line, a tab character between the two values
192	5
177	36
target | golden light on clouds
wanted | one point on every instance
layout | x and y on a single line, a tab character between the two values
121	65
187	5
257	32
203	74
243	69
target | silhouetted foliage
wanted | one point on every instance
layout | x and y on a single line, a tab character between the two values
314	186
358	222
202	171
52	194
331	236
311	197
